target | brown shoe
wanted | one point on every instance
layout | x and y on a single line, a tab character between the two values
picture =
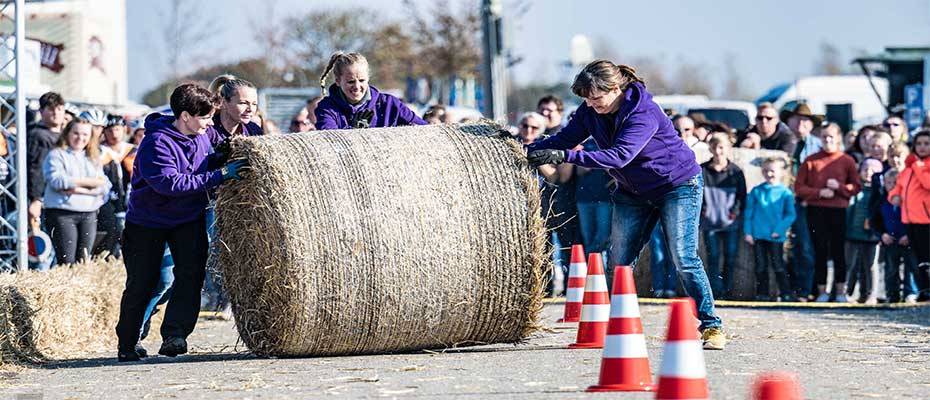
713	339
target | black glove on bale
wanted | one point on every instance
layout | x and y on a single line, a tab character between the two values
543	157
362	119
223	150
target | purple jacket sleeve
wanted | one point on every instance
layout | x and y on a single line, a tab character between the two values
160	172
326	119
635	132
406	116
568	137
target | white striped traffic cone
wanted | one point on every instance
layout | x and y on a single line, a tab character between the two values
574	294
683	374
625	365
595	309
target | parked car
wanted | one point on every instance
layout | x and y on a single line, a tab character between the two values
737	114
822	92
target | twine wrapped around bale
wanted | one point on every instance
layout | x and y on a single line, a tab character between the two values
382	240
63	313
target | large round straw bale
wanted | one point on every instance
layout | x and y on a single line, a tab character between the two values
381	240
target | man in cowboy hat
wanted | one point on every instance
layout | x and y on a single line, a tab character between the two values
801	261
802	122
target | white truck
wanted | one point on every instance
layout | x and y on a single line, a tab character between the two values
821	92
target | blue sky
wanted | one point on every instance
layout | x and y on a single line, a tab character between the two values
773	41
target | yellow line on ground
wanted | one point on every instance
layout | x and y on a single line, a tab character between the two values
773	304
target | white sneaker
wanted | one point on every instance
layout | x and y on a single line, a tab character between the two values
841	298
823	298
871	301
910	299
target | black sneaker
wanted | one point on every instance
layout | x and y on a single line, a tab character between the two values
173	346
141	351
127	355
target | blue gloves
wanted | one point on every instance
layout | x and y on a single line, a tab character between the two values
231	170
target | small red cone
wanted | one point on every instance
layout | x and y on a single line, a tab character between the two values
595	309
574	294
683	374
776	386
625	365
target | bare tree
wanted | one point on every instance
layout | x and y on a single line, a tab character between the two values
315	36
184	36
447	38
733	85
392	56
692	79
828	62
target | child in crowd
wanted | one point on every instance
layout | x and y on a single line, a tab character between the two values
886	222
769	214
912	193
724	202
861	240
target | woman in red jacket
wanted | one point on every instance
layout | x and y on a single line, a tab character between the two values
826	181
912	193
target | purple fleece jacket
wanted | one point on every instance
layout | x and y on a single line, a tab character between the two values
334	112
172	175
644	153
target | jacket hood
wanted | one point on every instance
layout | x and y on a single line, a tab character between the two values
634	97
335	93
162	124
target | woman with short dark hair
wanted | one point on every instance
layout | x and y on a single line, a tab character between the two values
174	173
658	179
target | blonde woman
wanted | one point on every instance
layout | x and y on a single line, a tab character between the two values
75	189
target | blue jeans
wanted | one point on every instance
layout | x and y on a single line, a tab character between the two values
594	219
802	261
895	256
663	274
679	213
721	282
162	291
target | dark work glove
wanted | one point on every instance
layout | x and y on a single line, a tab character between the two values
543	157
362	119
232	170
222	151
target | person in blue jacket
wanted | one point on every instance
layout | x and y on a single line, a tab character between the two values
658	178
352	103
174	171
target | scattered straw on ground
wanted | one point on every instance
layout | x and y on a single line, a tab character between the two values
382	240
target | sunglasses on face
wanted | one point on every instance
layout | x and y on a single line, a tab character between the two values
891	124
764	117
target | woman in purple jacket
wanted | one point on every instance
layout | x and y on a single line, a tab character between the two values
238	107
354	104
174	171
658	179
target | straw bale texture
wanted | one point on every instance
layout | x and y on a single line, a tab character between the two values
64	313
381	240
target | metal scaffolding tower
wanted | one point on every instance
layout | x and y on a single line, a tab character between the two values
13	225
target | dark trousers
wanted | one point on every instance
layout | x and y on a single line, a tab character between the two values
828	232
919	237
897	255
770	255
143	249
108	231
72	233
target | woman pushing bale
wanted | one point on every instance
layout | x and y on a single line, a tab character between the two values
359	242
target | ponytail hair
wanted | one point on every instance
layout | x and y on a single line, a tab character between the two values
604	76
227	85
338	63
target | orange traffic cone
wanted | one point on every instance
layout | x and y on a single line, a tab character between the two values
625	365
595	309
683	374
776	386
574	294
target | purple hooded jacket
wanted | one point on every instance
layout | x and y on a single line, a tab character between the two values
334	112
644	153
172	175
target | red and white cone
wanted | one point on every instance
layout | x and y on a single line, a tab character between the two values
595	307
683	374
625	365
776	386
574	294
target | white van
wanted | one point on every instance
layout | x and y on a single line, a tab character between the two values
820	91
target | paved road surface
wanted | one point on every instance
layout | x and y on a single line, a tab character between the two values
881	354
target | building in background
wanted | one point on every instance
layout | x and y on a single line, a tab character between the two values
77	48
